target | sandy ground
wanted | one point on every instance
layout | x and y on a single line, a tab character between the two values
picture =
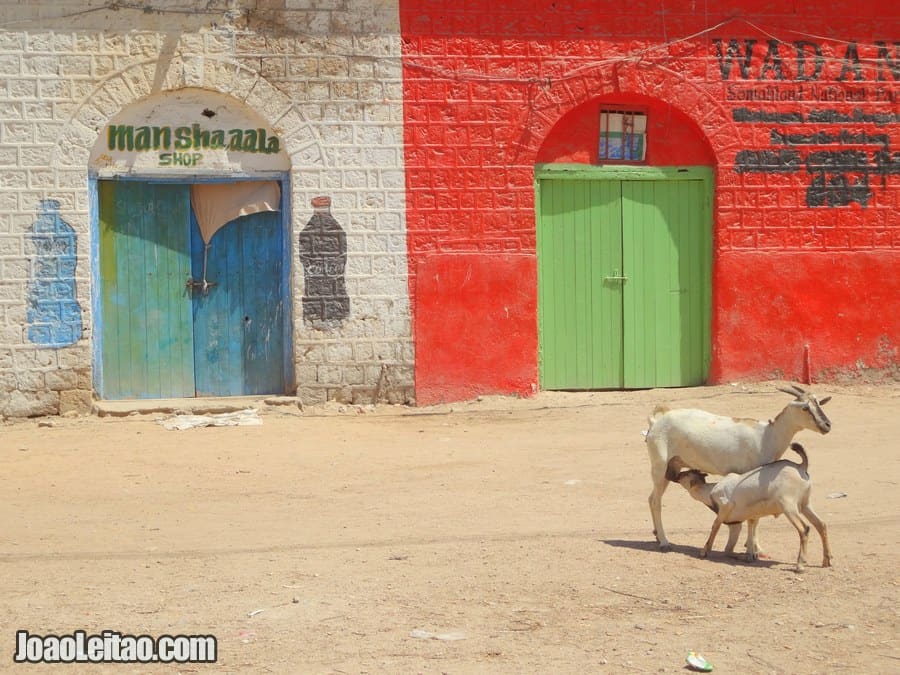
498	536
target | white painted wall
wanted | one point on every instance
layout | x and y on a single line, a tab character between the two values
324	76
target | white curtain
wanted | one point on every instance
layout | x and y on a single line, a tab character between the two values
216	204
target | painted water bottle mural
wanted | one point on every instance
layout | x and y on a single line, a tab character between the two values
323	252
54	315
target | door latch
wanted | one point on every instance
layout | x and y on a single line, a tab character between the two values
615	277
201	285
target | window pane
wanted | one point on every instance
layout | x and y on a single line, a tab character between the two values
622	136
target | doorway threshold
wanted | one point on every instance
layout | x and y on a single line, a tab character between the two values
192	406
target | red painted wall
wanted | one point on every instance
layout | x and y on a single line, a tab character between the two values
803	132
461	357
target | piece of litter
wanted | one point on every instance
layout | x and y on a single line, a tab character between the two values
836	495
696	662
420	634
248	417
250	615
573	481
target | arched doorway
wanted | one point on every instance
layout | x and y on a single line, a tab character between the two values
624	252
191	260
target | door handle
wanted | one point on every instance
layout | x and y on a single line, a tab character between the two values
615	277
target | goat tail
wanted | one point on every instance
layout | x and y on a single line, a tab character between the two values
804	460
658	412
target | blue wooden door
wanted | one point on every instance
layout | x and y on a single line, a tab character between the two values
160	338
239	321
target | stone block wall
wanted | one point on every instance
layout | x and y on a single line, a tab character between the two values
326	76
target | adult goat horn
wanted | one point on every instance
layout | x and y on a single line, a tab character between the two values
793	390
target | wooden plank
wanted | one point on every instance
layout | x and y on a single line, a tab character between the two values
263	323
607	293
112	308
147	253
173	347
552	285
215	363
646	255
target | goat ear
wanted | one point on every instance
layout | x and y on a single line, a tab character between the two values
697	478
825	400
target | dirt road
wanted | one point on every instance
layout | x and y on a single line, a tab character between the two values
499	536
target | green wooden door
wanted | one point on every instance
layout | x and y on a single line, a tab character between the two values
624	277
579	247
146	333
667	252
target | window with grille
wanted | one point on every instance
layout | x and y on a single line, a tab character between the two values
623	136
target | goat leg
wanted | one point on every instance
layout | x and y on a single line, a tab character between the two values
707	547
822	529
753	550
734	532
660	483
803	530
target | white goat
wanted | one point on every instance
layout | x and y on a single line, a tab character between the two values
770	490
721	445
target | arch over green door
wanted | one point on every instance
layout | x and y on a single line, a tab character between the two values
624	276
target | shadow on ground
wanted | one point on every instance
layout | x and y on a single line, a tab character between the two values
688	551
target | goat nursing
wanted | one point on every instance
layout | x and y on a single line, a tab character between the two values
770	490
721	445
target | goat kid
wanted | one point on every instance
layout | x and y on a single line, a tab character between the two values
770	490
721	445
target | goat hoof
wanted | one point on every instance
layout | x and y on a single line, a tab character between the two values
665	548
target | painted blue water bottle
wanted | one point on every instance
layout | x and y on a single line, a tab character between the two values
53	313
